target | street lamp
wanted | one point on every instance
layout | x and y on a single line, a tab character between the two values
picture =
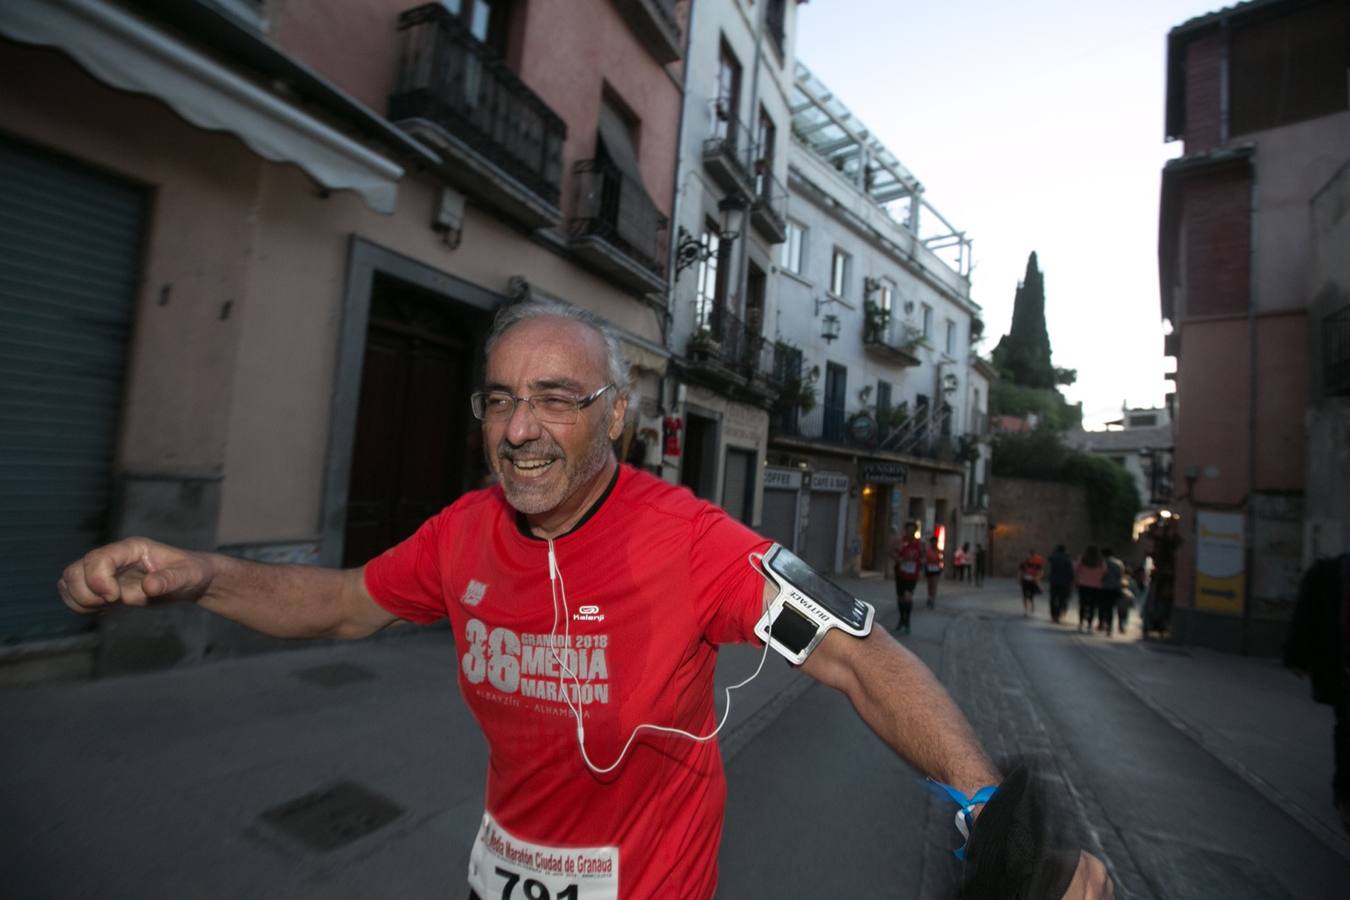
690	248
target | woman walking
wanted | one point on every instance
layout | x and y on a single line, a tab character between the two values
932	568
1029	574
1088	572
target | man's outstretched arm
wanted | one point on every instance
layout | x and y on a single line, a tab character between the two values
900	699
282	601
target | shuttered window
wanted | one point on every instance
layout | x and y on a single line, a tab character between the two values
68	275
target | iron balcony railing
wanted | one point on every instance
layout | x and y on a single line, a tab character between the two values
730	142
731	342
770	205
613	206
451	78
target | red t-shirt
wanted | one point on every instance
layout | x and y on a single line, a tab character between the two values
655	579
934	560
912	555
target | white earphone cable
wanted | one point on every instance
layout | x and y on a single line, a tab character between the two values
558	587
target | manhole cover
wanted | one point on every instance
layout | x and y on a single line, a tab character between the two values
332	816
335	674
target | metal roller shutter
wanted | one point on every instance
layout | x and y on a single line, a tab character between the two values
68	275
780	517
822	531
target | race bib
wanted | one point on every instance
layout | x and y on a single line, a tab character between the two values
909	567
503	867
934	568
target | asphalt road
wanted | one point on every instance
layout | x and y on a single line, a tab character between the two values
161	785
818	808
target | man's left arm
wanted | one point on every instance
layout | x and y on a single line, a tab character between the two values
900	699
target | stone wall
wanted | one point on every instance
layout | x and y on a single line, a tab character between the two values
1036	515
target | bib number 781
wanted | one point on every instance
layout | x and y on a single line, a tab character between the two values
532	890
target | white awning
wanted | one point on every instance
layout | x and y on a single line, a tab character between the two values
130	54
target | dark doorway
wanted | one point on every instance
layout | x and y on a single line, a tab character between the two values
836	387
699	472
417	446
738	485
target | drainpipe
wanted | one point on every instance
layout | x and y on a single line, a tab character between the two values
742	258
1249	553
668	326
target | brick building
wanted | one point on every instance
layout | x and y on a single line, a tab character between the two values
1257	93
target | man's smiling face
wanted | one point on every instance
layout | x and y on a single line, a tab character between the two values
546	470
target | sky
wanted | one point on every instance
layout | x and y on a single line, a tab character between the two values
1032	126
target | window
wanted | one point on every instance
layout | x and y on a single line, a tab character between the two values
1289	68
1144	421
927	321
951	338
774	18
886	298
792	255
839	273
728	94
486	20
765	137
711	282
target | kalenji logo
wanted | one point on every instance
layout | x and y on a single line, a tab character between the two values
473	593
588	613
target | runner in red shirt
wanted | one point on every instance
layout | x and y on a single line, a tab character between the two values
932	569
587	599
907	553
1029	575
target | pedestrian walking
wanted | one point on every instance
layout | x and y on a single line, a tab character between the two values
908	554
1088	572
1029	575
1319	645
961	562
981	561
1113	583
932	569
1061	581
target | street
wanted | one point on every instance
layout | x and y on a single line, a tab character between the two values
1191	775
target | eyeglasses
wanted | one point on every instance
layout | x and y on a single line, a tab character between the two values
552	409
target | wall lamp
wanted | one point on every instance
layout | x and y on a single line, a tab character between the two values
691	248
829	324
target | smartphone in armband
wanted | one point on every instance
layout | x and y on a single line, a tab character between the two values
808	605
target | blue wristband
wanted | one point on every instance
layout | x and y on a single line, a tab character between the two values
964	819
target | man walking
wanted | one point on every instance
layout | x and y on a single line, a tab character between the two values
907	552
575	770
1061	581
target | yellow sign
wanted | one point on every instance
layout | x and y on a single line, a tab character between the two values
1219	561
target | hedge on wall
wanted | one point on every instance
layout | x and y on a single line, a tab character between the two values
1112	497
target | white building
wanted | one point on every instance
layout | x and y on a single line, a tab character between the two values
870	314
730	215
1140	441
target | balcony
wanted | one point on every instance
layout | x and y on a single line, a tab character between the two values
726	154
501	143
616	227
896	342
1336	352
728	355
768	212
654	23
884	433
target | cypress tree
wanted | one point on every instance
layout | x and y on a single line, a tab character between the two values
1023	354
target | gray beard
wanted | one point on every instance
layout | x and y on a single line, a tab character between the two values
587	467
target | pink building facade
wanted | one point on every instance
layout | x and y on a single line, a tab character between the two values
1257	94
255	251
